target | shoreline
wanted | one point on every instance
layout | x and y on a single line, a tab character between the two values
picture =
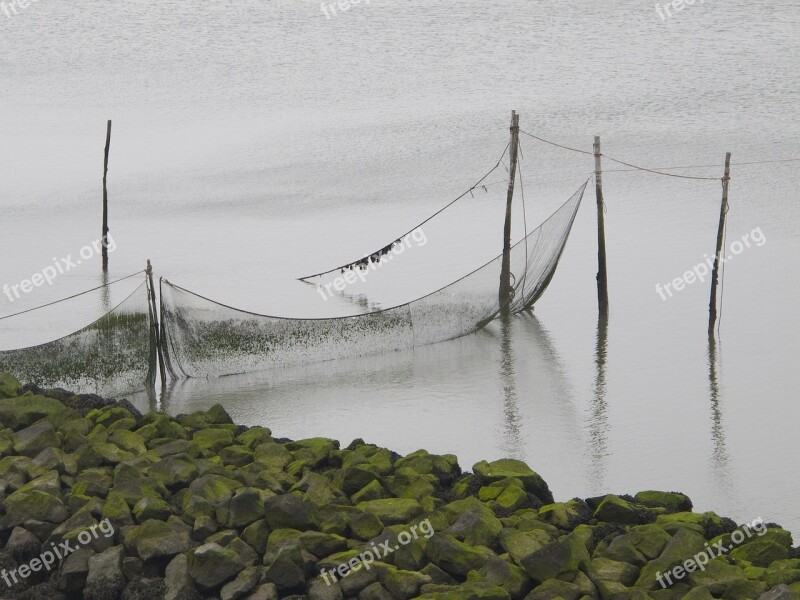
195	506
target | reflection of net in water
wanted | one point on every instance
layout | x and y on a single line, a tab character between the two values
204	338
114	355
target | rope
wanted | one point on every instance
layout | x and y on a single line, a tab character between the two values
554	144
622	162
524	220
658	170
73	296
441	210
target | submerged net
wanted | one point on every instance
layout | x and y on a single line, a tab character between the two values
203	338
114	355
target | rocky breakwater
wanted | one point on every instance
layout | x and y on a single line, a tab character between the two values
143	507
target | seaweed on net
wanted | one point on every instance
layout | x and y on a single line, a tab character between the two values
203	338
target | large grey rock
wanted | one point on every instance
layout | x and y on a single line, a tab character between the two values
32	440
105	580
23	545
73	571
211	565
242	585
177	581
266	591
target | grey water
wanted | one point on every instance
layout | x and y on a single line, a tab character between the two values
258	141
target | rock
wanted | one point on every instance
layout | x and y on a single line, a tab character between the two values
672	501
105	580
23	411
73	571
287	511
374	591
477	527
156	539
32	440
142	588
507	576
454	557
211	441
244	583
392	511
266	591
507	467
116	510
150	507
365	526
256	535
211	565
557	559
614	509
32	506
9	386
246	507
520	544
554	588
22	545
178	584
605	569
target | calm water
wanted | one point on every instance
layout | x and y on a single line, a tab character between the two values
257	141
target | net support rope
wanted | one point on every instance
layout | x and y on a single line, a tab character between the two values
385	249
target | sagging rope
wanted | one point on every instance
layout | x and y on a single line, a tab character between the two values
378	253
659	170
74	295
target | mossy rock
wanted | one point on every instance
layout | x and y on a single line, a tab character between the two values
313	452
520	544
403	584
238	456
20	412
392	511
158	425
211	441
211	565
505	575
470	591
215	489
407	483
256	535
508	467
94	482
477	527
32	440
128	440
672	501
157	539
455	557
32	506
175	472
365	526
254	437
116	510
638	546
374	490
682	546
559	559
201	419
9	386
614	509
566	515
605	569
149	507
554	589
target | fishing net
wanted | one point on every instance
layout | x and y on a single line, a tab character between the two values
203	338
114	355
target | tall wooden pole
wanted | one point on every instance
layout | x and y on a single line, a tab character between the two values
723	212
155	322
505	270
602	277
105	199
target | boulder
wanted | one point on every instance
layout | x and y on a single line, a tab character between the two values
211	565
510	468
105	580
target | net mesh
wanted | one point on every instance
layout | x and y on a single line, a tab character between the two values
113	355
204	338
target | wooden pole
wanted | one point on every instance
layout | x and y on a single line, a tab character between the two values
105	198
723	212
505	270
602	277
155	323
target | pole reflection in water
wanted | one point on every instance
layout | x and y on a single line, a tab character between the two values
719	454
598	421
513	446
